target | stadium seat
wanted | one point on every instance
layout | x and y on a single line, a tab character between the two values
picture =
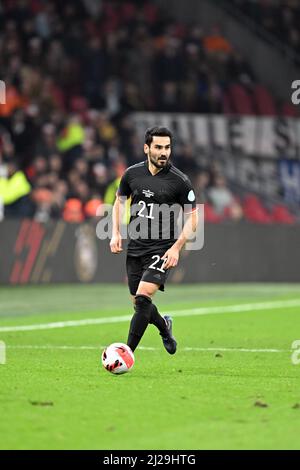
210	214
227	107
263	101
241	100
254	211
289	110
282	215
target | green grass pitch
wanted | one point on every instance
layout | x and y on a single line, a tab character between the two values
231	385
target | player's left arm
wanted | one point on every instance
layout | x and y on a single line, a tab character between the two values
187	200
189	229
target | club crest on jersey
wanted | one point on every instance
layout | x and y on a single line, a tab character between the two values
147	193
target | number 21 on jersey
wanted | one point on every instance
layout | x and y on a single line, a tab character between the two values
141	212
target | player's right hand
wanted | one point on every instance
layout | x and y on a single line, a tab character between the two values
116	244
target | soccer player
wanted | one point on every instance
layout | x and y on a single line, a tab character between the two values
153	250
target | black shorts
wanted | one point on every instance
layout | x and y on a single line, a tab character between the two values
146	268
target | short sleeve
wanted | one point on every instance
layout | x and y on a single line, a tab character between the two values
124	186
187	197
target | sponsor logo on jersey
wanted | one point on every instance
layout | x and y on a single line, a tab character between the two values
147	193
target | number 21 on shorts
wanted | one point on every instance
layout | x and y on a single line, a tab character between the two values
157	259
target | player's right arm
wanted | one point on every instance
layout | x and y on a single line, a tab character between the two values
123	193
117	217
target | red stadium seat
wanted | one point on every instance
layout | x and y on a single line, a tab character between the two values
254	211
289	110
264	102
227	108
241	100
282	215
210	215
251	200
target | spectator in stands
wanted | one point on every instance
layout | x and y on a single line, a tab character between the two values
278	18
239	70
47	144
75	70
15	191
201	186
215	42
223	199
185	158
73	211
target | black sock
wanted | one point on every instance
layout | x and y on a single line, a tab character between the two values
139	321
158	321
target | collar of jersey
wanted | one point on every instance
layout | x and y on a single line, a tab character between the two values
164	170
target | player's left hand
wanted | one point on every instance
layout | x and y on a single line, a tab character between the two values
171	258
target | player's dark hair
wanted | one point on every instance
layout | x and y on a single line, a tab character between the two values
157	131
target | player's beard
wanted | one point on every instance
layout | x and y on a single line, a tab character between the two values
158	162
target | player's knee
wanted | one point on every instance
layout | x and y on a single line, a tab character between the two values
142	304
146	291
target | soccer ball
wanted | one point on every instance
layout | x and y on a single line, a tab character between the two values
117	358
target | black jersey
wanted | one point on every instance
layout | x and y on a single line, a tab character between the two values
152	226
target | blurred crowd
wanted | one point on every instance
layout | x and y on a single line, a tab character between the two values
122	56
281	18
74	71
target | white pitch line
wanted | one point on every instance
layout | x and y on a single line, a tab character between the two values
239	350
238	308
146	348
